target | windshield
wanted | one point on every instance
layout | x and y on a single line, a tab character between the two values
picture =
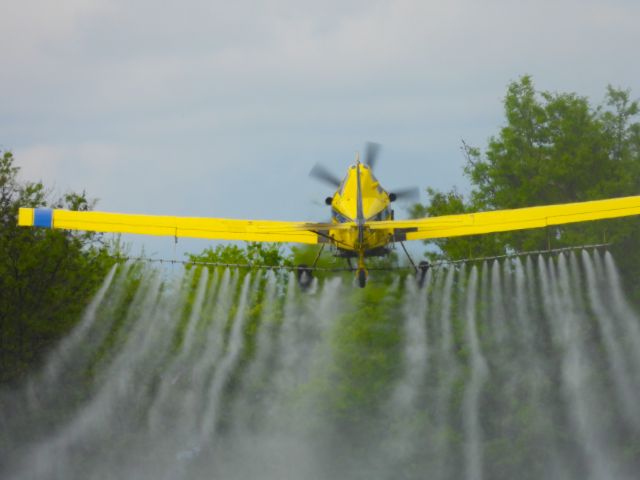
339	217
383	214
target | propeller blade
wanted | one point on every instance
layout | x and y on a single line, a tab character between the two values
410	194
320	172
371	154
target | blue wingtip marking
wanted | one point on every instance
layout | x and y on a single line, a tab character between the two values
43	217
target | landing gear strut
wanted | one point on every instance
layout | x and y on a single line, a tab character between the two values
421	268
362	271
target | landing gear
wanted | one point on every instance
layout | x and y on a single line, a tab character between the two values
421	268
305	276
304	272
362	278
362	271
421	272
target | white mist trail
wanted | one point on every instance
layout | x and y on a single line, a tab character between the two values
49	457
629	321
289	343
447	372
575	365
193	399
614	350
416	353
523	317
228	361
254	381
404	401
68	346
163	403
194	316
479	373
498	321
73	349
507	369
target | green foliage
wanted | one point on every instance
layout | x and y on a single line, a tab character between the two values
253	253
306	254
366	349
451	203
554	148
46	276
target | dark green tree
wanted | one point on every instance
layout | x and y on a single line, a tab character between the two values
46	276
553	148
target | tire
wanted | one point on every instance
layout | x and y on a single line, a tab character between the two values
423	267
362	278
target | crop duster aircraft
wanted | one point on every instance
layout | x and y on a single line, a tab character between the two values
362	221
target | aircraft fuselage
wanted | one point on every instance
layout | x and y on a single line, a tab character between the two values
360	199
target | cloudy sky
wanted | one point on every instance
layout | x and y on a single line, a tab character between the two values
217	108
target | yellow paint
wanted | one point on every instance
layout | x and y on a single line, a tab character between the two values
375	202
25	217
374	198
515	219
192	227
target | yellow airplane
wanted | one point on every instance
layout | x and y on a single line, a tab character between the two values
362	223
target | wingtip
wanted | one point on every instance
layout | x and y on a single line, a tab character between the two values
25	217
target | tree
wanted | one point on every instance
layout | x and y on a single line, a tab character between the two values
554	148
46	276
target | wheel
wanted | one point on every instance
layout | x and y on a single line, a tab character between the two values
423	267
362	278
305	276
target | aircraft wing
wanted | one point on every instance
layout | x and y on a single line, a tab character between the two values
179	227
509	220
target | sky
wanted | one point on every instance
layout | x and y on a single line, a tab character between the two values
220	109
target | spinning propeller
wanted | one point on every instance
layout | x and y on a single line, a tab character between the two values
408	194
371	154
322	173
